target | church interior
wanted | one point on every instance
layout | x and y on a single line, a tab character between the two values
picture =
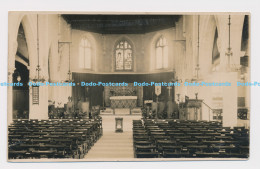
133	121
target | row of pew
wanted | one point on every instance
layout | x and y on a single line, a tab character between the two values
188	139
53	138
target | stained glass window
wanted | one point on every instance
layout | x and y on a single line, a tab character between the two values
85	54
124	58
161	53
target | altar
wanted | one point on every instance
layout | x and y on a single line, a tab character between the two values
123	102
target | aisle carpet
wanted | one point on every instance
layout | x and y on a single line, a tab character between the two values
114	146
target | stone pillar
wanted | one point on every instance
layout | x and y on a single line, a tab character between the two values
230	73
230	100
12	48
40	111
10	96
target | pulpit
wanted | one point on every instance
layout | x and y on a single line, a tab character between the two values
191	110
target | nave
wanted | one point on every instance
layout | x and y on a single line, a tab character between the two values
100	99
141	138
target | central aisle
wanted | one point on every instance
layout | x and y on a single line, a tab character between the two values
114	146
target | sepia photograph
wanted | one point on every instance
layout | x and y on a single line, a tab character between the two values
117	86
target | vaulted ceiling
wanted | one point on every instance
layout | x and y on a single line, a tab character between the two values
121	24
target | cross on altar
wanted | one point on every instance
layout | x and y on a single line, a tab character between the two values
169	90
158	90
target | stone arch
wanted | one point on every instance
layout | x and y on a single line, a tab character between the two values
53	73
21	54
245	34
208	27
127	38
27	22
21	95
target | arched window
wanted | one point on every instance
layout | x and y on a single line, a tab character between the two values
124	57
85	54
161	53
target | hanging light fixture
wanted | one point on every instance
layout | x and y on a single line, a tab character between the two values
69	78
38	78
61	45
198	51
229	52
197	68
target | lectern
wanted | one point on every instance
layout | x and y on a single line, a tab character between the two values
119	125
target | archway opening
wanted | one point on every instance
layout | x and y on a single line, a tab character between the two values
21	75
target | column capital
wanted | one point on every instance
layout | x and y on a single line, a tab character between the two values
11	70
10	74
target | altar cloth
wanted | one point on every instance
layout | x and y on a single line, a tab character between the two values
122	97
123	101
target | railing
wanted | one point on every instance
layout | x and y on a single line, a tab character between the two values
212	112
